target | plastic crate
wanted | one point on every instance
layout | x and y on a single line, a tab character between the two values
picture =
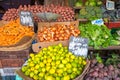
8	77
8	73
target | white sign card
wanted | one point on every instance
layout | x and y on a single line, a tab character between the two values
26	18
78	46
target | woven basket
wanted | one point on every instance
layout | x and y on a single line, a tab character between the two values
24	43
81	77
21	74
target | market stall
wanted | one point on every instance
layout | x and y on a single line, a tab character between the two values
61	40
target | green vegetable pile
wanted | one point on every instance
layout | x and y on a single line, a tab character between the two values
90	13
114	60
99	36
116	33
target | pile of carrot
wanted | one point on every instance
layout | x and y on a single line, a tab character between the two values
13	32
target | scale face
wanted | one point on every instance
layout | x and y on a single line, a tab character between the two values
110	5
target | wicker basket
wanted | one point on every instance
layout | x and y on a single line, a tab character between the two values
21	74
84	72
24	43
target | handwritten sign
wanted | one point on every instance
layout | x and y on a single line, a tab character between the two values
26	18
78	46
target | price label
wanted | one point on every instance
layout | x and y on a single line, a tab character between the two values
110	5
26	18
78	46
98	22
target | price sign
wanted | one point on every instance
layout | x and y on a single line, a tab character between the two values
110	5
26	18
98	22
78	46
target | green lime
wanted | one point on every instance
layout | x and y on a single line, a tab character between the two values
59	71
32	68
49	78
37	66
35	77
27	73
43	69
31	64
73	76
48	64
40	69
57	62
74	69
68	65
57	78
60	45
52	71
44	61
67	77
61	66
48	68
41	64
72	56
35	71
74	64
24	68
64	69
69	71
44	49
49	60
41	74
53	57
31	74
53	63
32	55
65	73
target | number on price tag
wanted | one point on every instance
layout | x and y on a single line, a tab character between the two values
98	22
78	46
26	18
110	5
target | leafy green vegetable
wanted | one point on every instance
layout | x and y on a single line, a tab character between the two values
98	58
116	33
90	13
114	60
98	36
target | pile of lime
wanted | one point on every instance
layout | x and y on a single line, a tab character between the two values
54	63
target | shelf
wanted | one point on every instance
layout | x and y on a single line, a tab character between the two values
82	20
78	7
108	48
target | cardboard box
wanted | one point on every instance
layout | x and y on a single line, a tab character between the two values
48	24
40	45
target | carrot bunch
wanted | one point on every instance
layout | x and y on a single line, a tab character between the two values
13	32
